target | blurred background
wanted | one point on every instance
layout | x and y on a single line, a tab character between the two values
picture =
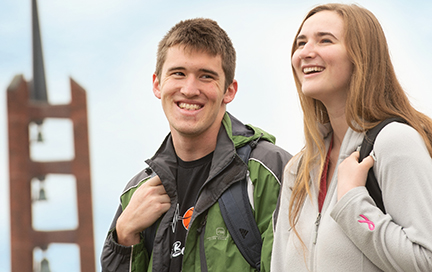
109	48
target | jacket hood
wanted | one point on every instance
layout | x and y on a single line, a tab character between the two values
242	134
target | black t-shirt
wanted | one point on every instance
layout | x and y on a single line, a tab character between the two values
190	177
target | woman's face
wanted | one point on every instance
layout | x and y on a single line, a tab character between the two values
321	61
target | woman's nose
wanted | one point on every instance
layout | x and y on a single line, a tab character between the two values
308	51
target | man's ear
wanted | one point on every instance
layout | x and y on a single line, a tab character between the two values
230	92
156	86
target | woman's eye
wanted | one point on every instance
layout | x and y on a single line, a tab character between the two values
301	43
326	41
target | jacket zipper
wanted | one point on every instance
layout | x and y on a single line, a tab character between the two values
313	246
317	222
198	195
131	258
201	231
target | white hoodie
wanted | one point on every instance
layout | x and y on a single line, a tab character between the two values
353	234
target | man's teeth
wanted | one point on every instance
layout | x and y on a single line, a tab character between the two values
189	106
308	70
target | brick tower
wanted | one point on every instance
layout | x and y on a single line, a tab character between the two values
27	103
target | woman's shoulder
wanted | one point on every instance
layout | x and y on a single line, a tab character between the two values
397	131
397	138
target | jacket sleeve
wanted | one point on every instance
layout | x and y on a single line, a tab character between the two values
119	258
115	257
266	170
401	239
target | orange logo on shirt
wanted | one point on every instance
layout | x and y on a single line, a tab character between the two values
187	217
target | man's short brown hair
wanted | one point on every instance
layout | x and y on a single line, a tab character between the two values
202	35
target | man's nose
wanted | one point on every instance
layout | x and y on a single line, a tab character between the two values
191	86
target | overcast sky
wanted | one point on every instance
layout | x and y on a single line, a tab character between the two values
109	48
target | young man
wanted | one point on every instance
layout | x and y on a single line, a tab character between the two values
175	200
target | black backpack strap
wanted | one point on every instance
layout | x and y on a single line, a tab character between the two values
366	148
238	216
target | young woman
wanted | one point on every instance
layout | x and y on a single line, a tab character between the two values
327	220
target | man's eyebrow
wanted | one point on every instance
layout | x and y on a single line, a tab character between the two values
176	68
210	72
203	70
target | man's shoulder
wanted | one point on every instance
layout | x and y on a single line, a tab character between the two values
266	149
272	157
138	178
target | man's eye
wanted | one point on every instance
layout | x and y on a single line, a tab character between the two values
207	76
178	74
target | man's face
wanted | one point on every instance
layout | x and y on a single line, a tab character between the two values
191	89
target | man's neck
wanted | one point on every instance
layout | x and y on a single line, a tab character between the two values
193	148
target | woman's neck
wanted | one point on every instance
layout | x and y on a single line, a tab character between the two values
339	125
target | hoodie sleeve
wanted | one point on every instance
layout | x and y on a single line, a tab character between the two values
401	239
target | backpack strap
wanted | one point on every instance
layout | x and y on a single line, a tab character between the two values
238	216
366	149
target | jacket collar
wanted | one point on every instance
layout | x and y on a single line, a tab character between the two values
226	167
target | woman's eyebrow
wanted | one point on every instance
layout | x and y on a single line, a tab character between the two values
318	34
301	37
321	34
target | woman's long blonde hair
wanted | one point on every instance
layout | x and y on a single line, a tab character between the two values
374	95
